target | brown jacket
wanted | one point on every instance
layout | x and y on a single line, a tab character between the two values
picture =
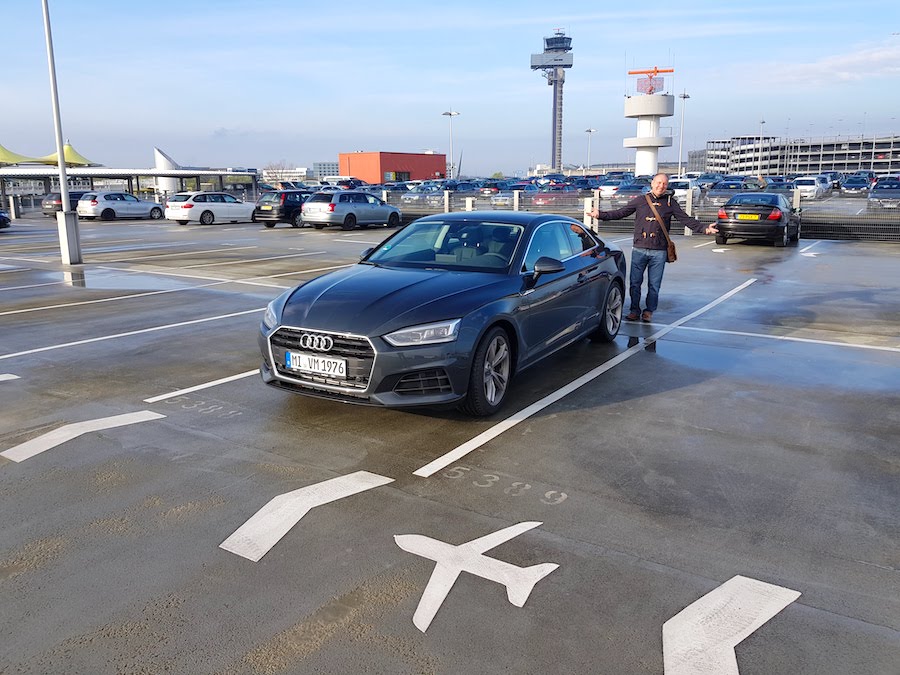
646	230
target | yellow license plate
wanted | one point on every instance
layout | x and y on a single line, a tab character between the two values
265	208
748	216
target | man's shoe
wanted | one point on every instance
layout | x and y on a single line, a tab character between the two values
647	316
632	316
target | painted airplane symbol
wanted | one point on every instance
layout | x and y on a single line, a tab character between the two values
468	557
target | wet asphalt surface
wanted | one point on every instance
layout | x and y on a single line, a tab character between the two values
757	438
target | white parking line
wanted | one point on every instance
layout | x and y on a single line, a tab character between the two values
206	385
128	334
4	377
357	241
172	255
67	432
252	260
789	338
806	248
706	243
461	451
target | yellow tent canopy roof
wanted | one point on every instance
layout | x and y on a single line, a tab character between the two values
71	155
10	157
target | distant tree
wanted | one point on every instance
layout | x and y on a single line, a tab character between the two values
497	175
276	170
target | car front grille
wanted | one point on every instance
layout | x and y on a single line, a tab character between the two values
424	383
356	350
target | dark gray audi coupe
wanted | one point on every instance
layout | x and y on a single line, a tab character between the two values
445	311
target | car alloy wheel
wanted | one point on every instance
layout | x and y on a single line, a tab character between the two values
489	378
156	214
207	218
610	315
780	243
297	220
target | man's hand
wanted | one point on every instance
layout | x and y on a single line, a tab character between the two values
593	214
712	229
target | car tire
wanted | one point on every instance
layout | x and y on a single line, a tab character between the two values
795	240
785	238
297	220
156	214
610	315
108	214
490	375
721	239
349	222
269	225
207	218
393	220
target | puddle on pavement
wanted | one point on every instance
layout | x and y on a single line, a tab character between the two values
109	279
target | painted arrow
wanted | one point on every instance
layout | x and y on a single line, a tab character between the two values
719	250
809	255
67	432
266	527
701	638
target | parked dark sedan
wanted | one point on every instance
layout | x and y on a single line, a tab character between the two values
52	202
855	186
4	219
281	206
885	194
445	311
759	215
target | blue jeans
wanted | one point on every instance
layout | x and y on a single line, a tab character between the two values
654	262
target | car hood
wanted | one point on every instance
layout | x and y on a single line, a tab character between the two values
885	193
372	300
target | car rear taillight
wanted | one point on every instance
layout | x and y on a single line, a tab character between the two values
331	208
722	214
187	205
93	202
775	215
283	197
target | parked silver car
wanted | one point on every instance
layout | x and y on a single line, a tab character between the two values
348	208
108	205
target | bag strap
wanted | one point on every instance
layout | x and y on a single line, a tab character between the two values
658	219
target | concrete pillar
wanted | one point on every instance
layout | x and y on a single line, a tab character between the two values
69	243
470	203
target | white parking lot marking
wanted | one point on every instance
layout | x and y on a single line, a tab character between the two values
67	432
253	260
8	376
461	451
790	338
468	557
266	527
206	385
128	334
701	638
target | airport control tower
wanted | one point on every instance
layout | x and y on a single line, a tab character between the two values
554	59
648	105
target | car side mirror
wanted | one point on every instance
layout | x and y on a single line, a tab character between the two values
545	265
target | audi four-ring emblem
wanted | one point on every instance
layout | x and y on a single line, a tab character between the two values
317	343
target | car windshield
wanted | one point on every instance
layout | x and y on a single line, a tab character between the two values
887	185
481	246
321	197
727	186
179	198
679	185
805	181
270	198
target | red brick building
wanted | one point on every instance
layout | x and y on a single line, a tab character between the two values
380	167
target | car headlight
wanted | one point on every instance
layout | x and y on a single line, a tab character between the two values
270	320
428	334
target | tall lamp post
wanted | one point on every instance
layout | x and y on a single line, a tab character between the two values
683	96
761	122
590	133
450	114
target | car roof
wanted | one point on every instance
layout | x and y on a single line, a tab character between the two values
523	218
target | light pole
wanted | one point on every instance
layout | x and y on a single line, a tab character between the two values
590	132
450	114
683	96
761	122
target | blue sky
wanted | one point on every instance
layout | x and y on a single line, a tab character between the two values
263	81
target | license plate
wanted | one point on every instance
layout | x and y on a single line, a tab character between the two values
889	205
748	216
265	208
320	365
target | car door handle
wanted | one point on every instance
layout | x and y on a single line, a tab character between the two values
587	273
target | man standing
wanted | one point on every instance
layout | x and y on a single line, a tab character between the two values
649	249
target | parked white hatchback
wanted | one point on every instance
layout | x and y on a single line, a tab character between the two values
208	208
107	205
